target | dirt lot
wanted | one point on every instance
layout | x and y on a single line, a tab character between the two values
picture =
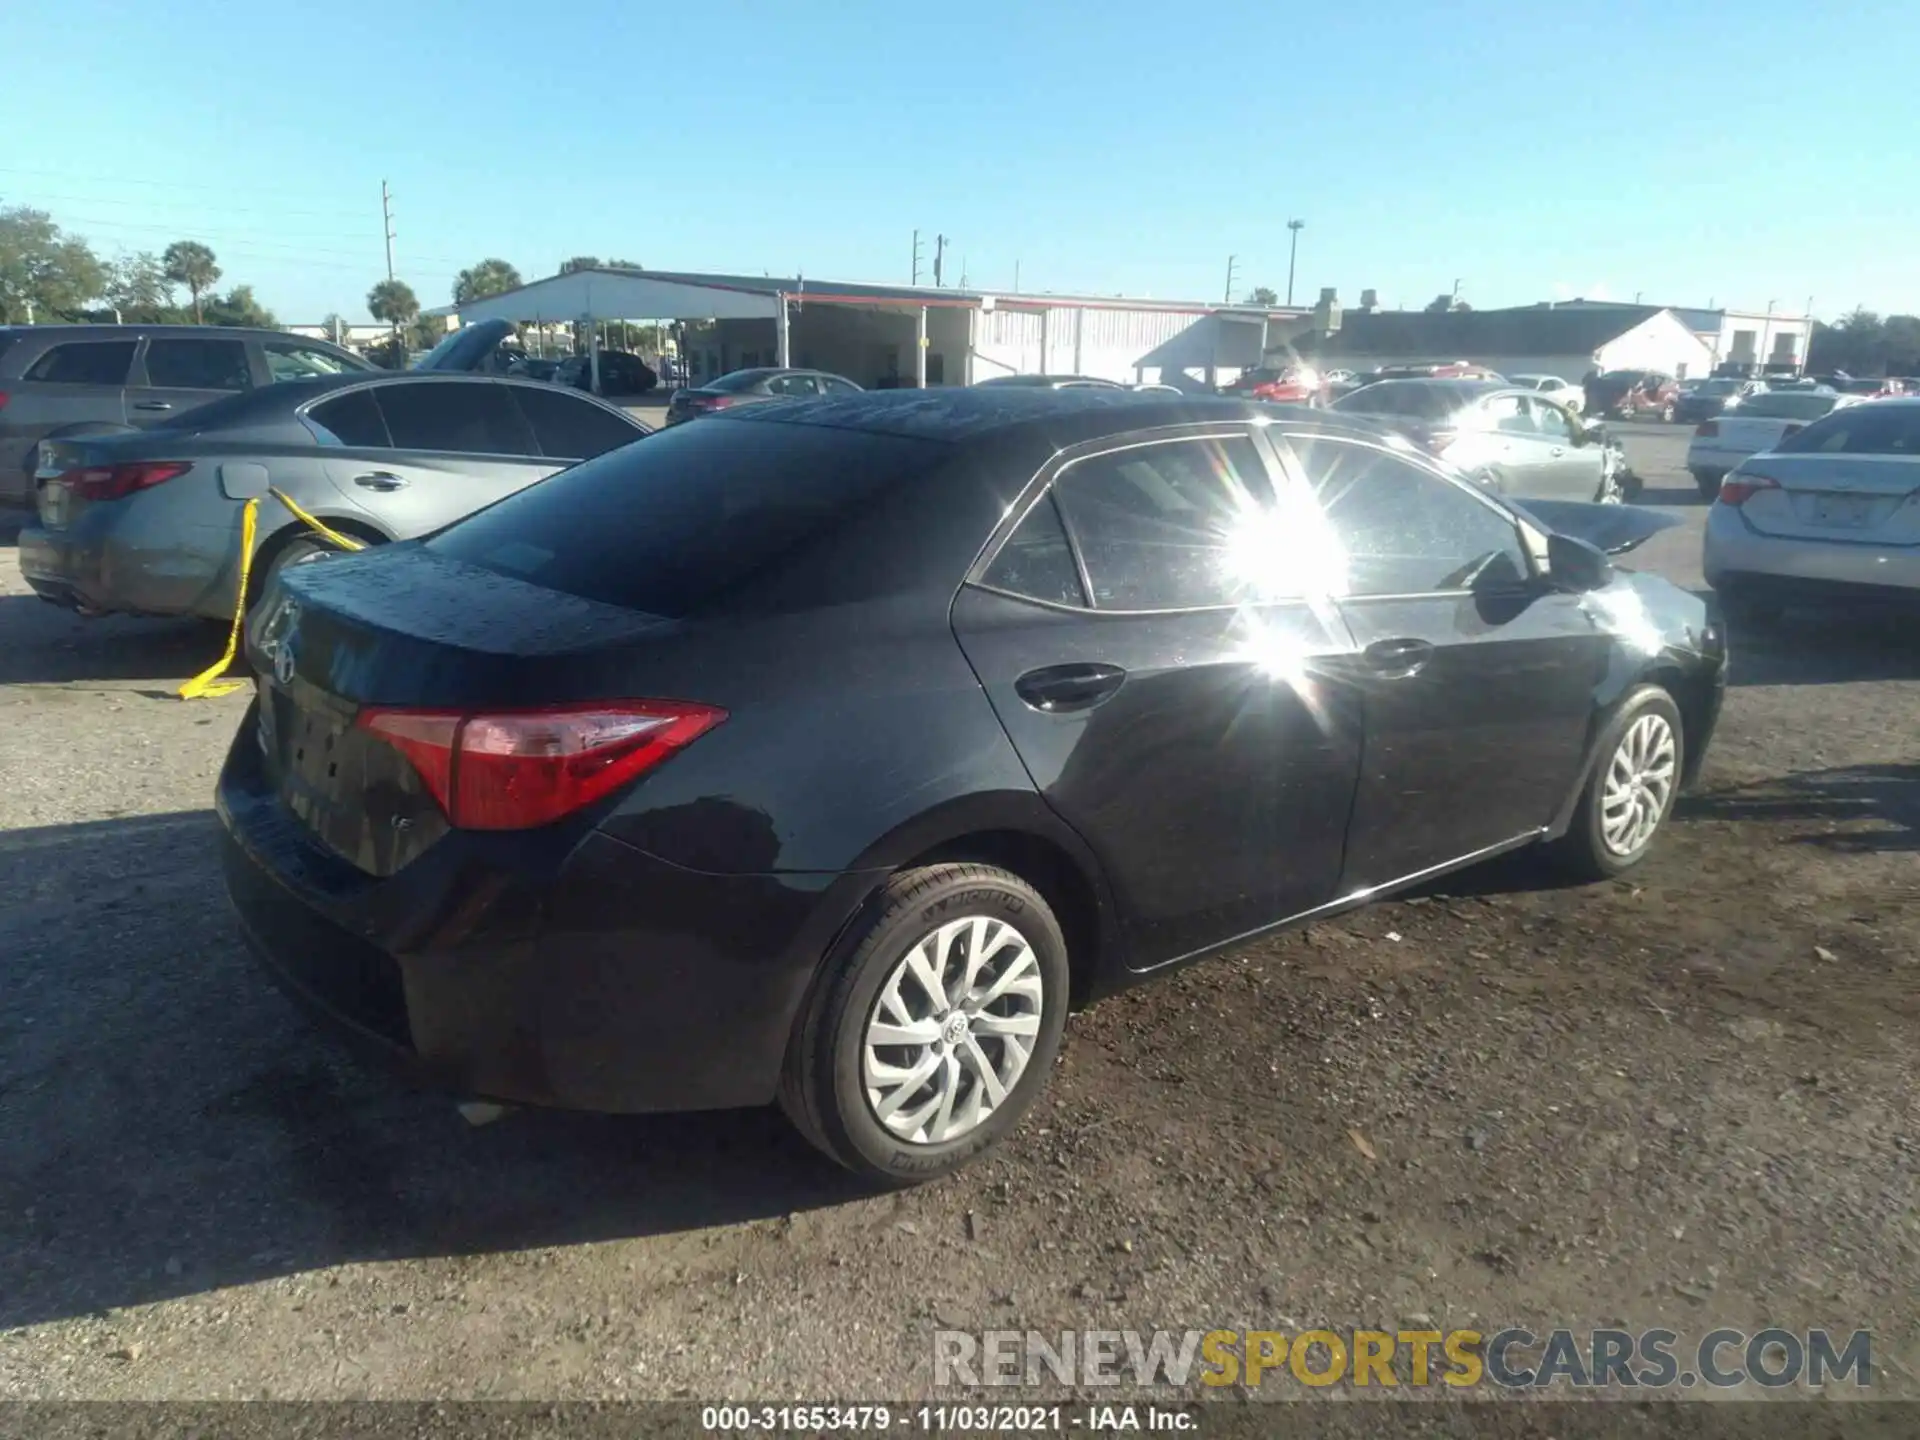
1688	1099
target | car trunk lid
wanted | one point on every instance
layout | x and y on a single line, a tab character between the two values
399	626
74	475
1870	499
1750	434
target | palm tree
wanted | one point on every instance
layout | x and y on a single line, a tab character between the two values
492	276
189	263
394	302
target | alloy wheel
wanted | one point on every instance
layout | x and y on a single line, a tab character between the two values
1639	784
952	1030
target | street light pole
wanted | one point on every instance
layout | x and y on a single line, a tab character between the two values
1766	331
1293	251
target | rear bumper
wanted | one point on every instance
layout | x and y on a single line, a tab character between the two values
601	979
88	567
1735	553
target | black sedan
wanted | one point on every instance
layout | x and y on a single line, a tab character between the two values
620	373
831	751
754	387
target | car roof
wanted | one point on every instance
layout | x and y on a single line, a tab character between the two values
963	414
268	401
135	331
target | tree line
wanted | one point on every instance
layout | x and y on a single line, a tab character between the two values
1864	344
50	275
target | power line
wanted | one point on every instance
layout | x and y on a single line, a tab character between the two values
173	184
41	196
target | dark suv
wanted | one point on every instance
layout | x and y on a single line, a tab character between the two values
59	380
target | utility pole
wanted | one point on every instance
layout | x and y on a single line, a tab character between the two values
1231	261
939	258
1016	277
1293	252
386	227
386	223
916	257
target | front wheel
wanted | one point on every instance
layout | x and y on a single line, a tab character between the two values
932	1026
1631	791
1709	484
1666	414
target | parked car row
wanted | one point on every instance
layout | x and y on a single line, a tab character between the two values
1760	423
828	752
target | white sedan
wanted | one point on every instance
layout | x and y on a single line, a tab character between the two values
1556	388
1760	423
1834	509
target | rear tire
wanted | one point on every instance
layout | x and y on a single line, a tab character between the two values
900	1112
1630	794
297	551
1709	484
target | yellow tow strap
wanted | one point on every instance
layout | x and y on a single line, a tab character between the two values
208	685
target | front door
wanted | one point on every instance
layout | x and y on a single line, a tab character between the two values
1477	683
1572	466
1166	689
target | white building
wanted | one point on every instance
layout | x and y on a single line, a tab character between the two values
892	335
1568	341
1743	337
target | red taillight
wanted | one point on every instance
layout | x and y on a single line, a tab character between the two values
4	397
712	402
1707	427
515	769
114	482
1737	489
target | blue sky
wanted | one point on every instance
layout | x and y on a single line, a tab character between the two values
1690	151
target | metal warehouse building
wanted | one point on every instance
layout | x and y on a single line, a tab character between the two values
887	335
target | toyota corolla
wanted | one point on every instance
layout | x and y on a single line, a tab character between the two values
831	752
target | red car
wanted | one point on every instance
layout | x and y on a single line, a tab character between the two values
1282	384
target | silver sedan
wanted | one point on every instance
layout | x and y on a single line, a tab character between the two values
151	522
1831	510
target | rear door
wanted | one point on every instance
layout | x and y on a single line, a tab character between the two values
451	446
1477	687
1852	478
178	373
67	384
1160	675
1569	469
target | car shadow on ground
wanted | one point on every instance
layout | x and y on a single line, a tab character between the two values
1878	806
1825	645
49	645
170	1124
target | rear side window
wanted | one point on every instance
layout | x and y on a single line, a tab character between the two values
569	428
464	417
1036	562
352	419
1861	430
1159	525
668	525
197	365
100	362
834	385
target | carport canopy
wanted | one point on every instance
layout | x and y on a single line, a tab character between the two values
625	295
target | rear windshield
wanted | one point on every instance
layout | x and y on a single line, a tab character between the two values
1424	402
674	520
1788	405
1719	387
739	380
1861	430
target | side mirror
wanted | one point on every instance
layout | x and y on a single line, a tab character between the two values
1575	566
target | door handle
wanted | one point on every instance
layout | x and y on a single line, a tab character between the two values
379	480
1397	659
153	404
1060	689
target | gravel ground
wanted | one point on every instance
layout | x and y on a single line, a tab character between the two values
1684	1099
